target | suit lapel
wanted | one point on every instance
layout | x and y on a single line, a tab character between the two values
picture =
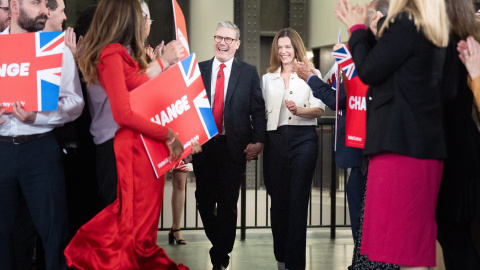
232	82
206	71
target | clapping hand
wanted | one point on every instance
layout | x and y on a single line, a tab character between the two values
351	15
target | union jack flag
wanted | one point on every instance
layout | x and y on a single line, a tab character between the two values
331	76
202	105
344	59
39	56
190	70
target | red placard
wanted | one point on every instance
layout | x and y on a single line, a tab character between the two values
180	27
175	99
355	130
30	70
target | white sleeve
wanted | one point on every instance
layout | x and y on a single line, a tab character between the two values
70	100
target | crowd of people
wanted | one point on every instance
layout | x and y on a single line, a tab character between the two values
416	181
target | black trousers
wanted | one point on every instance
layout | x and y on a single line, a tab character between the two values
34	169
289	161
218	179
106	173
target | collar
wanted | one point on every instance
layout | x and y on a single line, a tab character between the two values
6	31
216	64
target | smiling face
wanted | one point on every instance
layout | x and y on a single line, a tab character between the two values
286	52
223	51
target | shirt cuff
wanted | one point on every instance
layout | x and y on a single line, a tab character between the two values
357	27
310	77
41	118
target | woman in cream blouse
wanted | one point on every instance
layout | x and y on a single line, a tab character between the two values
291	148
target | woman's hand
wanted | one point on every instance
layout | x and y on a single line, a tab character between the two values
469	53
176	149
350	15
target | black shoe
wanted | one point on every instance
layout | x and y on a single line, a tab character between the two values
218	267
171	238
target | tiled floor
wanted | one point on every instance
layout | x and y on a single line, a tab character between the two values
256	252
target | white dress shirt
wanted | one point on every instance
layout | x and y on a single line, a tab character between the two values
275	95
226	72
70	103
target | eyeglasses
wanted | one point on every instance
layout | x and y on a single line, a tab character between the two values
147	19
219	39
5	8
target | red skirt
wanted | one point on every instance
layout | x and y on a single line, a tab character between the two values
399	225
124	234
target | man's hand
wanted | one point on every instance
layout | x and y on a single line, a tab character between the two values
22	115
253	150
2	111
172	53
303	69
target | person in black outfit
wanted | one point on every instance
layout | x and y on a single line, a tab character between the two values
458	206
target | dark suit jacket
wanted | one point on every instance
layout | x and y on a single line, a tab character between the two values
345	157
404	71
244	108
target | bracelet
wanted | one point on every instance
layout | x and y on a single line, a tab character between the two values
172	140
161	64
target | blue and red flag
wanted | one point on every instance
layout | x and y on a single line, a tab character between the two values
30	70
175	99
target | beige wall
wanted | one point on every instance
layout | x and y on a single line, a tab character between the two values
204	17
323	25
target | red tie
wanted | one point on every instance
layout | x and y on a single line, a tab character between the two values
218	100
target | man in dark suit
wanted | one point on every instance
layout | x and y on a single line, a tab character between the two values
239	111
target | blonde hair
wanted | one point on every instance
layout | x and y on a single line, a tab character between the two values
297	44
115	21
429	16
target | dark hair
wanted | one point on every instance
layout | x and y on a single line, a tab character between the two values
52	4
84	20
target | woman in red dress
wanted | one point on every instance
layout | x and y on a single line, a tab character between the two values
123	235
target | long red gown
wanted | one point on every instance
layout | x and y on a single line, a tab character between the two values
123	235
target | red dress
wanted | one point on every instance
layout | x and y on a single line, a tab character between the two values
124	234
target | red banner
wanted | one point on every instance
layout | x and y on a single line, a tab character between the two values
355	130
30	70
356	103
175	99
180	27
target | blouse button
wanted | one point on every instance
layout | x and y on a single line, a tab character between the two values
290	118
291	92
305	105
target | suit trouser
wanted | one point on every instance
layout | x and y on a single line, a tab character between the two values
35	169
218	179
355	190
290	157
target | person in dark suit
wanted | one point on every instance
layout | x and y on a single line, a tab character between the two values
239	111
